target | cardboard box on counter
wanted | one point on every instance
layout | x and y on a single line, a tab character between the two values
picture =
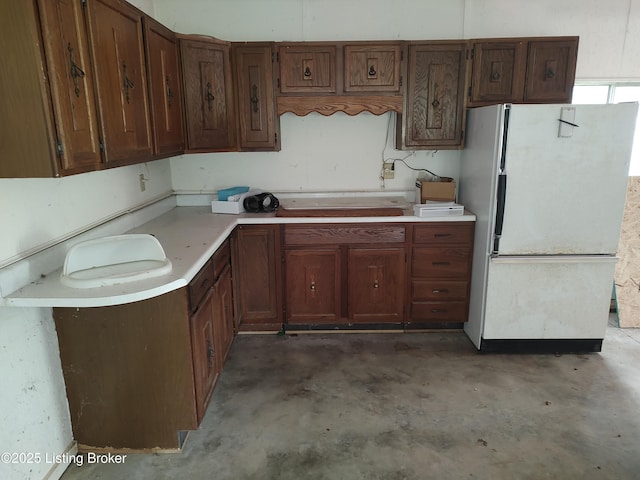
444	190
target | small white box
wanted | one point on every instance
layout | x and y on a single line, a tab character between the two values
218	206
431	210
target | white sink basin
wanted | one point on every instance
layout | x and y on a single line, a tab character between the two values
113	260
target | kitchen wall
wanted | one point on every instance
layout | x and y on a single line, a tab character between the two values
319	153
341	152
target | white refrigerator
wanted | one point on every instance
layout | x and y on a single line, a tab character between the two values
547	184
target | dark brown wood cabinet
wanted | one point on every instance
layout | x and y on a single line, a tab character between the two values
165	89
440	273
258	122
376	284
149	367
313	291
257	283
373	68
523	70
209	104
49	123
433	114
307	68
117	46
344	273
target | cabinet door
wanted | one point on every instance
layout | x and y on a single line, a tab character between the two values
312	286
257	289
307	69
376	284
498	71
372	68
551	69
118	54
257	118
72	84
433	114
165	91
223	315
206	71
206	365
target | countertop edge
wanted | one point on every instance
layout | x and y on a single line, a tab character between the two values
48	292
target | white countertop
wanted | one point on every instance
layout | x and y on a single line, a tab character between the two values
189	236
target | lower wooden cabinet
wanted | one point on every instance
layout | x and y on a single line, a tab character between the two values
376	284
139	375
441	255
339	274
257	277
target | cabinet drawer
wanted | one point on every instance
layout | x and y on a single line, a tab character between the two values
221	259
307	68
200	285
444	233
439	311
440	262
331	235
434	290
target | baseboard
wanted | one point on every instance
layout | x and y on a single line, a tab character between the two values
61	462
581	345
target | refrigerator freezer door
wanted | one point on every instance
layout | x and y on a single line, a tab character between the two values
548	298
566	194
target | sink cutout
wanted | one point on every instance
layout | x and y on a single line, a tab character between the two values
113	260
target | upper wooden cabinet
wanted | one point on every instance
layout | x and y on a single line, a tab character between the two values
210	115
258	122
48	120
115	29
307	68
372	68
523	70
433	108
165	91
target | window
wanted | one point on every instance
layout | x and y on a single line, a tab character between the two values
613	93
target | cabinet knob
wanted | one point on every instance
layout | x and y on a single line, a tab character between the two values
495	76
372	71
307	72
312	287
435	103
127	83
376	284
168	88
210	352
549	73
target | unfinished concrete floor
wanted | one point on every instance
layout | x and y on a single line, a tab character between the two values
408	406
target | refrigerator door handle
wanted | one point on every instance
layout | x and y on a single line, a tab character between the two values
500	204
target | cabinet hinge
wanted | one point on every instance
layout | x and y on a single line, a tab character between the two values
275	57
473	53
400	80
278	83
401	55
275	137
101	145
59	149
83	2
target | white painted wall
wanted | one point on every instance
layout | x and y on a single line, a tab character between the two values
343	153
334	153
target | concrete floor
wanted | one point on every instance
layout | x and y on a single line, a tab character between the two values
408	406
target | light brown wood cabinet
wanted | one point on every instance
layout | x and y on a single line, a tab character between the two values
256	277
441	256
433	116
258	122
117	46
165	89
523	70
209	104
338	274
